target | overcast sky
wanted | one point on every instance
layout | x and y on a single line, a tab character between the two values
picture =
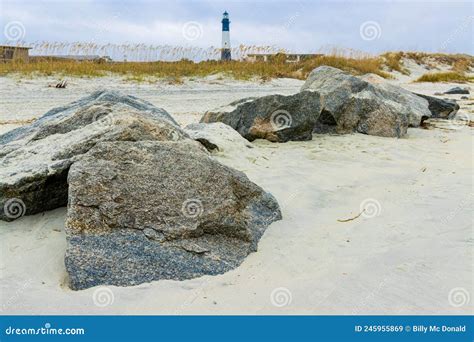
300	26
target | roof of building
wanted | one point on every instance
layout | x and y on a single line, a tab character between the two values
76	57
286	54
14	46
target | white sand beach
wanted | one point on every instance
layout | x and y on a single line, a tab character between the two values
410	252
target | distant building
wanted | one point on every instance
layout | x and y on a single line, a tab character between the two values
14	53
290	57
225	53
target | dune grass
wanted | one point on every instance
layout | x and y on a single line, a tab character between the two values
356	66
442	58
142	71
462	65
459	63
393	61
449	76
175	72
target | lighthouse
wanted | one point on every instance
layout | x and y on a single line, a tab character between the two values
225	53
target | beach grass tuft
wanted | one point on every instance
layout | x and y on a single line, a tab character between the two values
448	76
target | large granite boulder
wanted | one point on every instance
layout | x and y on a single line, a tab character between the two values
35	159
417	109
457	90
331	100
147	210
407	103
67	114
218	137
439	108
276	118
352	104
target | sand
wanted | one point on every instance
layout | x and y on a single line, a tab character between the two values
27	98
410	252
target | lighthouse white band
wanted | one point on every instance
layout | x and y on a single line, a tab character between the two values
225	40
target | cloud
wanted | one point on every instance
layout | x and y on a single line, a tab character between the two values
303	26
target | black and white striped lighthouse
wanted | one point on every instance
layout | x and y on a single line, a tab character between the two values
225	54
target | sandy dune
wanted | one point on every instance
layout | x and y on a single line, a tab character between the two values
410	252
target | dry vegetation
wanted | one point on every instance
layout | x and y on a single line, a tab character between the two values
146	70
449	76
441	58
393	62
459	64
140	71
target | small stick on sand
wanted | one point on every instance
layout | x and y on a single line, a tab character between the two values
17	122
352	218
62	84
